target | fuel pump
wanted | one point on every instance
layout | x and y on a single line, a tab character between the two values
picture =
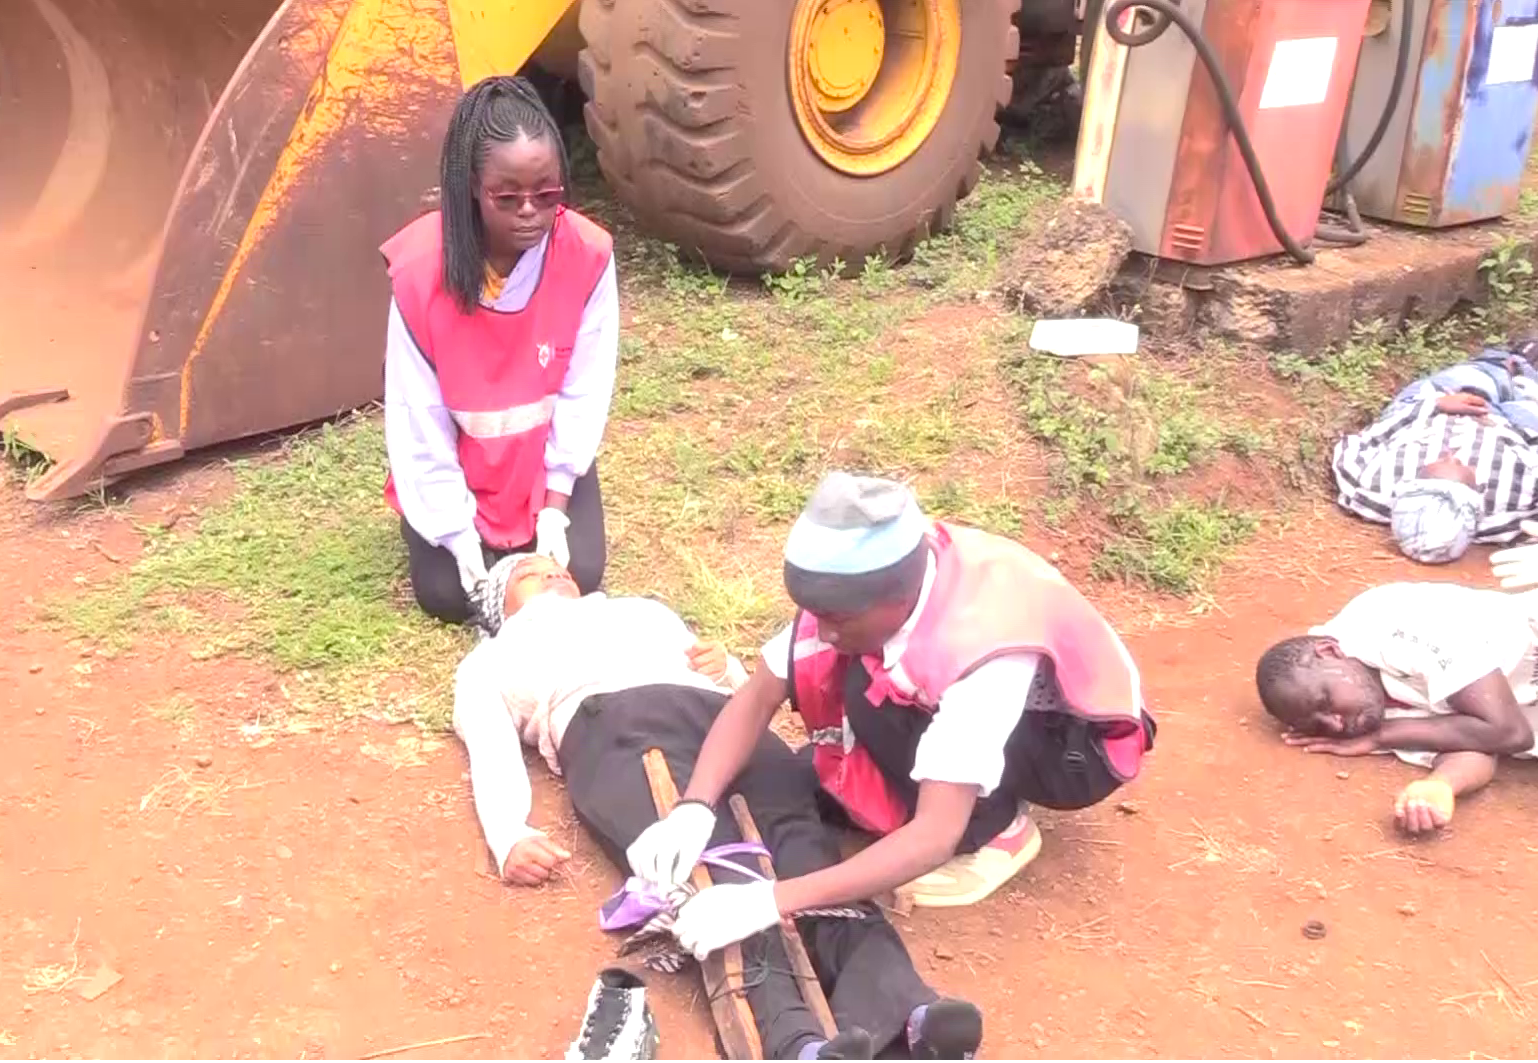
1210	126
1458	131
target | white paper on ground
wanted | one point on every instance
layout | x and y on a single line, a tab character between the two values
1078	337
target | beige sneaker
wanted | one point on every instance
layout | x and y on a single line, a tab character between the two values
964	880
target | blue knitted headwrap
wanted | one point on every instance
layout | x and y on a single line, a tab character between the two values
859	542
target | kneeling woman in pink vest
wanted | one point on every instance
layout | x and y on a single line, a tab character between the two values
500	356
946	678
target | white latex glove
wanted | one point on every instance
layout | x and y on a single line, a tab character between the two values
472	569
550	535
1517	566
721	915
666	852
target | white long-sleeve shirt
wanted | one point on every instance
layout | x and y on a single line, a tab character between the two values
526	683
964	742
977	714
420	434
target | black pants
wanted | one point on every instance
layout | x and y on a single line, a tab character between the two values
435	573
890	733
1052	757
862	964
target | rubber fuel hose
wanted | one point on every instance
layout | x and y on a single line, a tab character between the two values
1166	12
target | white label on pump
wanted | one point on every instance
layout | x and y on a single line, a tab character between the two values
1513	54
1300	73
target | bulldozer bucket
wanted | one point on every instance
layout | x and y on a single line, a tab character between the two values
192	195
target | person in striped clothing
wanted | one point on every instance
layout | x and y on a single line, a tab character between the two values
1452	461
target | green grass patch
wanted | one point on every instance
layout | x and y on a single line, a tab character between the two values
303	566
1115	427
1359	376
25	461
1527	205
178	710
964	259
1173	548
955	500
738	607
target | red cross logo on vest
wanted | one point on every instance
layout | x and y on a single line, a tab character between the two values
544	355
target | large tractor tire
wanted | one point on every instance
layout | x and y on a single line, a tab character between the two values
755	132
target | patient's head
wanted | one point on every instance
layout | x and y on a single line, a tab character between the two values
532	576
1434	516
1311	685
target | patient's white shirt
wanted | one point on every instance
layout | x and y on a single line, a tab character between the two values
526	683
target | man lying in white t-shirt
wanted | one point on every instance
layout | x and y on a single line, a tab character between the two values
1442	676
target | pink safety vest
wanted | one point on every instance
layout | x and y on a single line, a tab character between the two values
990	596
499	372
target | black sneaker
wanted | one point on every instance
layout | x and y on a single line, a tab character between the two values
618	1023
853	1043
952	1029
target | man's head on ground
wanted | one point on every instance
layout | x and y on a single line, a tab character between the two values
856	558
1434	516
1313	687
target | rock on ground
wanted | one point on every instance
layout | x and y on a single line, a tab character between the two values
1068	261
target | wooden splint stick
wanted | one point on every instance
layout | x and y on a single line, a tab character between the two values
722	970
795	948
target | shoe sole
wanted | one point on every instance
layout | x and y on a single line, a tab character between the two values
1028	852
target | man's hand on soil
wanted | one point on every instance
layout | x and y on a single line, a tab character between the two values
1424	806
709	660
1341	747
531	860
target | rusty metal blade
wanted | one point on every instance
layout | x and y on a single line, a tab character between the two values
256	300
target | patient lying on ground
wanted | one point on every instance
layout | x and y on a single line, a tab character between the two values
1440	675
593	682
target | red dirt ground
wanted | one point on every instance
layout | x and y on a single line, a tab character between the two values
313	898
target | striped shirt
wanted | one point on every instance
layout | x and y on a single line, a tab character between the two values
1371	465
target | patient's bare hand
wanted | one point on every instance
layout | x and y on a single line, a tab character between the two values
709	659
1463	402
1424	806
532	859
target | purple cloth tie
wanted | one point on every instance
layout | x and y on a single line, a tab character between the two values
639	900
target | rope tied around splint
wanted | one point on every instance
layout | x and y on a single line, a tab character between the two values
654	909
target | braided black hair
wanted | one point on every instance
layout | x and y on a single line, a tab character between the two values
498	110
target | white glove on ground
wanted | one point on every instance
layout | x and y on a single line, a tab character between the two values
550	535
666	852
721	915
1517	566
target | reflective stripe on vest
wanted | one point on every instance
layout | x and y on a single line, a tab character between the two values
499	372
499	424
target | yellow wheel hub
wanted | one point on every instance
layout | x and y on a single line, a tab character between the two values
844	53
869	79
